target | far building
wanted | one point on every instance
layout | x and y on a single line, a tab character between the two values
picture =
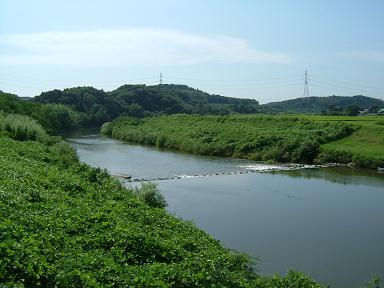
364	112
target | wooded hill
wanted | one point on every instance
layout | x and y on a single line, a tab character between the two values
319	105
141	101
61	110
53	117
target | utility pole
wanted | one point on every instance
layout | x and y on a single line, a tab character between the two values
306	91
161	78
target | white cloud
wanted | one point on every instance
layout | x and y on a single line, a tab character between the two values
130	46
372	56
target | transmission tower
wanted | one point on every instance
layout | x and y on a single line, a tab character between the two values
306	91
161	78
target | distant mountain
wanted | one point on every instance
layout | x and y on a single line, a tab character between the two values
321	104
141	100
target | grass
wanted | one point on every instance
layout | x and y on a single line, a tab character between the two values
279	138
21	127
365	146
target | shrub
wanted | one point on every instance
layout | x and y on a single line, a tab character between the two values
106	129
65	154
328	156
150	194
23	128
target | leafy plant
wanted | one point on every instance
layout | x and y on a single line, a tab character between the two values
263	138
22	128
150	194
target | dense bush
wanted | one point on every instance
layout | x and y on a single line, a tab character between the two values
344	156
262	138
53	117
106	129
57	118
150	194
22	128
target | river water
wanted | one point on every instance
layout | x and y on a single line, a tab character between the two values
326	222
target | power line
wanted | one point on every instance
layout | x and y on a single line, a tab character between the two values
27	81
298	84
19	78
322	78
335	85
343	90
238	80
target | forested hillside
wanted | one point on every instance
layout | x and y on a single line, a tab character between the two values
53	117
323	104
141	101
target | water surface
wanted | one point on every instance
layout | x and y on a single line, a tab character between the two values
328	223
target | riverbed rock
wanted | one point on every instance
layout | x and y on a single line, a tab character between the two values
352	165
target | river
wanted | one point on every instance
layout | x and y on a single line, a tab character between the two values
325	222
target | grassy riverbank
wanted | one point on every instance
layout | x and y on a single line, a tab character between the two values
298	138
65	224
365	146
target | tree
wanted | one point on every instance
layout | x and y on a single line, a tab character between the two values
352	110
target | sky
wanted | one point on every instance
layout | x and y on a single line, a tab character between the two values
245	48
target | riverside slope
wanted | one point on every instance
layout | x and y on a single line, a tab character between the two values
65	224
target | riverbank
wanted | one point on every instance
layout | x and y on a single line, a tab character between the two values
66	224
277	216
272	139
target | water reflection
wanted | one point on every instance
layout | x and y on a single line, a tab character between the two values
326	222
342	175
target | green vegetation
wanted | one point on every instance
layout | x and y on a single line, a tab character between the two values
263	138
364	146
53	117
59	111
150	194
21	127
98	106
331	105
65	224
296	138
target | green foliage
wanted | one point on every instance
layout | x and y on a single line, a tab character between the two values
290	138
22	128
106	129
150	194
352	110
292	279
57	117
76	226
262	138
97	106
53	117
363	147
331	105
65	154
374	283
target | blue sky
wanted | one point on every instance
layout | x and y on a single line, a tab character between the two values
248	49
